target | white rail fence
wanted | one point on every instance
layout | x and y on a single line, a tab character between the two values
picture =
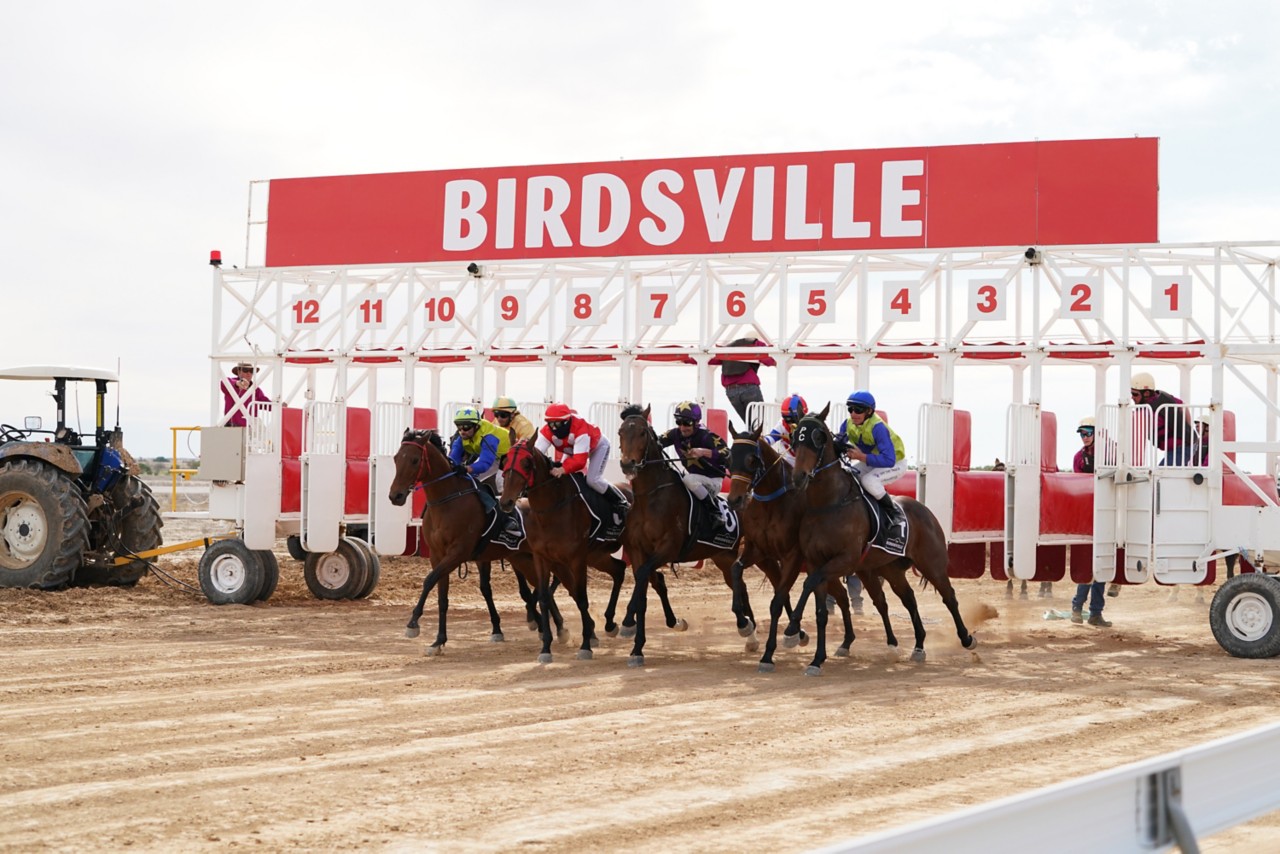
1151	805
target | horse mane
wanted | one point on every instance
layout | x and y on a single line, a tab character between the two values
434	438
631	409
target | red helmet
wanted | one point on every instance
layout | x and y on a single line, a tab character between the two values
794	408
558	412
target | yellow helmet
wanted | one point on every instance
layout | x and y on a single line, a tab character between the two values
504	404
1142	381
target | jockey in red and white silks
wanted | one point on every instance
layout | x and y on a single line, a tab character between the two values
577	445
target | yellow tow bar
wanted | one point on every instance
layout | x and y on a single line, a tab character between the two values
176	547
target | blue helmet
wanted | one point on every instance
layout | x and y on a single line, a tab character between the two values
794	408
862	398
690	410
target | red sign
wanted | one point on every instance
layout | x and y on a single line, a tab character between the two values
1006	194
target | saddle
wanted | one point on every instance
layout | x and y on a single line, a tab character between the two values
888	535
505	529
609	511
702	527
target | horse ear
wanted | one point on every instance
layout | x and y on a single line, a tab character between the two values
825	410
646	412
408	431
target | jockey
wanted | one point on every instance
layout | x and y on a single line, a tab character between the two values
479	445
507	413
874	444
704	455
577	447
793	409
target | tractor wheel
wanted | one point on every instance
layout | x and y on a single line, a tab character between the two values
44	525
270	573
338	574
1245	616
230	573
137	528
374	564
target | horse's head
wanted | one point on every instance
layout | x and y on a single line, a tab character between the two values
745	466
636	440
812	446
414	462
519	473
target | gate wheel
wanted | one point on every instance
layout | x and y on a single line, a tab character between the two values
1245	616
339	574
231	573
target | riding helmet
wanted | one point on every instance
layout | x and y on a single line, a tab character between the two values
1142	381
690	410
558	412
863	397
504	404
467	415
794	408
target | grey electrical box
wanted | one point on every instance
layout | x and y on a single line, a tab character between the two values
222	453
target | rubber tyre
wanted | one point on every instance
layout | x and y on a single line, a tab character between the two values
44	525
270	573
230	573
373	562
296	551
339	574
139	532
1245	616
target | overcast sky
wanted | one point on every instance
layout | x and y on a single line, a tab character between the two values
129	132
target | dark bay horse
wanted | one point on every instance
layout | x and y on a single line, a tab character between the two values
770	511
835	537
558	525
452	523
657	530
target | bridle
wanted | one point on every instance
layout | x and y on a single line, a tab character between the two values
521	450
758	474
420	441
812	433
657	457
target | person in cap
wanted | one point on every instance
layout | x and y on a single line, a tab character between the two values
479	446
240	394
793	409
704	455
575	445
1083	461
877	449
506	413
1173	432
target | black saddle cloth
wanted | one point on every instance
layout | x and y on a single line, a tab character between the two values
505	529
702	527
609	511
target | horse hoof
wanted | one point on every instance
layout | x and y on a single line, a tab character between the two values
533	625
752	645
747	630
842	652
765	667
791	641
971	643
611	632
681	625
544	658
563	638
917	654
627	632
497	637
804	639
433	651
635	661
584	655
594	643
811	670
412	631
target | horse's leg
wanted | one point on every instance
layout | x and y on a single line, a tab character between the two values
545	600
835	588
442	631
873	584
637	608
659	583
786	575
617	571
898	581
742	604
486	590
579	591
440	569
817	581
530	598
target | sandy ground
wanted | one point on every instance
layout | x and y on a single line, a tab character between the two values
151	720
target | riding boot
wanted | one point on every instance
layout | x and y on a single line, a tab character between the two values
892	513
620	504
713	513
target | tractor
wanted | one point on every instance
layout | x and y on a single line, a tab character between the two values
70	505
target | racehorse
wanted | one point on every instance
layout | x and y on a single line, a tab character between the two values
558	525
453	522
770	523
835	537
657	530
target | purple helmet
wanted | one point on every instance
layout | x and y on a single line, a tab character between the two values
689	410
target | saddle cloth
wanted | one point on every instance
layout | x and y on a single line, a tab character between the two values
608	519
505	529
889	538
702	530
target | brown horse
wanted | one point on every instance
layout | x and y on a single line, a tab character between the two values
657	530
558	525
770	523
835	537
452	523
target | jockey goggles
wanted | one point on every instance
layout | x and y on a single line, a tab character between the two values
1085	431
685	422
859	408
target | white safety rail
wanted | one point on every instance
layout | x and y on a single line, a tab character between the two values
608	417
1147	806
935	479
1022	489
534	411
259	507
763	414
388	524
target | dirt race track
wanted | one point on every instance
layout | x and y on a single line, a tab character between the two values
151	720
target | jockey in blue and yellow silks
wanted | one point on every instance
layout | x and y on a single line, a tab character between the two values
877	448
479	445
